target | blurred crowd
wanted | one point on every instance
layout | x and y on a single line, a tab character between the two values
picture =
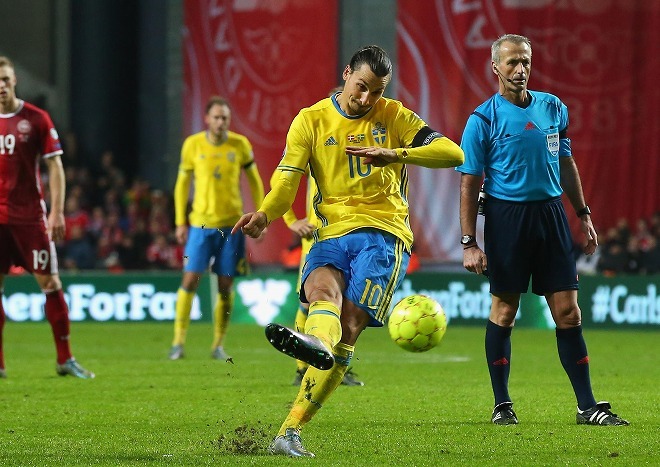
112	224
626	249
117	225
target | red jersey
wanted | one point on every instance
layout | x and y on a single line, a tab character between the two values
26	136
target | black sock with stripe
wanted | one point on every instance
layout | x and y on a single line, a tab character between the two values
498	356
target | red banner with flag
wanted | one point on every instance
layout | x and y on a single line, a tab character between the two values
595	55
270	59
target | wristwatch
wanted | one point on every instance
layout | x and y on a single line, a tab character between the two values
467	240
583	211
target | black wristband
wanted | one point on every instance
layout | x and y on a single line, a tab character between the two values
583	211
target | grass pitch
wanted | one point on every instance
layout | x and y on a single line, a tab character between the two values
426	409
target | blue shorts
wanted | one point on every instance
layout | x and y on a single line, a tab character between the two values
523	240
373	263
218	247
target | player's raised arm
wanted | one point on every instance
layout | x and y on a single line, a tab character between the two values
439	152
428	149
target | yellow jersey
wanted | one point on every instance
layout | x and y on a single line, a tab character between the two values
349	194
216	170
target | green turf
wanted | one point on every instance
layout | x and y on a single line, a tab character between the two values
415	409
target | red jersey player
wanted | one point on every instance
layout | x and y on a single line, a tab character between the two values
27	135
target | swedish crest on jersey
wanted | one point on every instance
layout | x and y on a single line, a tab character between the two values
379	133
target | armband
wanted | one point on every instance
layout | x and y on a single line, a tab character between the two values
424	136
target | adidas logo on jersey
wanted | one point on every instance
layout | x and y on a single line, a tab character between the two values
331	142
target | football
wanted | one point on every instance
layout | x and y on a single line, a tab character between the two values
417	323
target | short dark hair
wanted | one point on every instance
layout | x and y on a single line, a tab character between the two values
375	57
216	100
5	61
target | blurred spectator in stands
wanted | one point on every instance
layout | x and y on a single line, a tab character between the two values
110	238
112	201
654	225
129	256
80	185
613	259
96	224
141	240
633	256
109	178
139	194
159	221
161	210
132	215
623	231
643	236
78	252
161	254
74	216
650	259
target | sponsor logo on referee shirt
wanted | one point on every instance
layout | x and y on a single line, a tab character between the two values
553	143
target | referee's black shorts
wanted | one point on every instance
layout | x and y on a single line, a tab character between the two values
532	239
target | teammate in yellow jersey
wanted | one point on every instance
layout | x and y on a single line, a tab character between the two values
357	144
213	159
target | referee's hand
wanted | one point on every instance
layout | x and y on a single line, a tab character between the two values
590	233
474	259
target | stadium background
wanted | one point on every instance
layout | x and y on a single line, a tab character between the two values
133	77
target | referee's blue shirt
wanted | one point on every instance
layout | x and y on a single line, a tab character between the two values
517	149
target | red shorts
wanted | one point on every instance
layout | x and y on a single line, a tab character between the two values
28	246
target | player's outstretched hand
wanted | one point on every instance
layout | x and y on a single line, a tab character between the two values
373	155
251	224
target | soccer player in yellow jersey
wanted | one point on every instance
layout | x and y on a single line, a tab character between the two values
213	159
357	144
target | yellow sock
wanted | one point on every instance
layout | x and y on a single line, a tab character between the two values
184	299
323	322
316	387
299	325
221	315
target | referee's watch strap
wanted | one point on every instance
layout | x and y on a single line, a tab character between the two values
583	211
